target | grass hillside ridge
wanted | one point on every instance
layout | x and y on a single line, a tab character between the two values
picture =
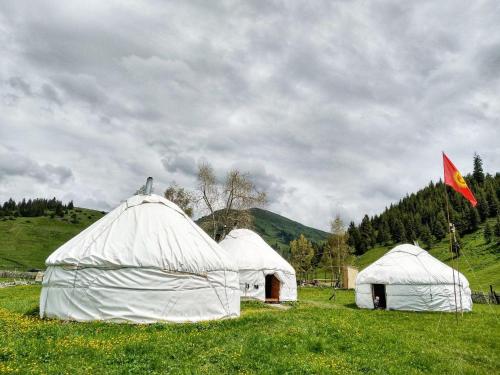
479	261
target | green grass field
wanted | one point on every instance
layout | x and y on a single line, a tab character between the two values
315	336
26	242
479	261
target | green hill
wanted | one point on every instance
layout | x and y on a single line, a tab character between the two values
278	230
479	261
25	242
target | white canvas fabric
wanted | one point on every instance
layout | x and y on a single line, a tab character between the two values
146	261
414	280
256	259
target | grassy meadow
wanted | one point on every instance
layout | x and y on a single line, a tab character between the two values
314	336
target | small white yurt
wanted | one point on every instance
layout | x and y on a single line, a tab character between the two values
409	278
146	261
264	274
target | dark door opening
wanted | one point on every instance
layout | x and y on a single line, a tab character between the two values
272	289
378	291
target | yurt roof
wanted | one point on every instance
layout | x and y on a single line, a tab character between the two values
251	252
144	231
409	264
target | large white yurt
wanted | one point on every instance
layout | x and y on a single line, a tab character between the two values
264	274
146	261
409	278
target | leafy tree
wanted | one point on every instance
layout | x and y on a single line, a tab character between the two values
302	254
336	252
181	197
228	201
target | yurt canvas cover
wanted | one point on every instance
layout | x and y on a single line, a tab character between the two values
409	278
264	274
145	261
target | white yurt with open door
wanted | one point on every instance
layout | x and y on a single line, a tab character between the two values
264	274
146	261
409	278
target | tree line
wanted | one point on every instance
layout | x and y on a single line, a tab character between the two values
34	207
422	216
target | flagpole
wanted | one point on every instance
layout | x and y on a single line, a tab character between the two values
458	276
451	247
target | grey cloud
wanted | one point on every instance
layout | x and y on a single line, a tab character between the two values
272	185
180	163
489	61
13	165
21	85
50	94
82	87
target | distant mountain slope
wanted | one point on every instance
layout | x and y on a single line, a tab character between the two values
278	230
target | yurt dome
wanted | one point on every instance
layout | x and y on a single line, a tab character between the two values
146	261
409	278
264	274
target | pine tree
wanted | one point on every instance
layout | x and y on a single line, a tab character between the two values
426	236
482	207
496	229
487	233
59	210
354	238
398	232
493	204
439	229
70	205
473	219
366	233
478	173
383	233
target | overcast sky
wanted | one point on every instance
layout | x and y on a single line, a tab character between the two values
334	107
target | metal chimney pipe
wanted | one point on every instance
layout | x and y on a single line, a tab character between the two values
149	186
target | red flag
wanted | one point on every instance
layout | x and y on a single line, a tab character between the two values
453	178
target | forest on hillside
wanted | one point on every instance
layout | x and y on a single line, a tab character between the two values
422	217
34	208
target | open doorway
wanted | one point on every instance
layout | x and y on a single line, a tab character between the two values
379	300
272	289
